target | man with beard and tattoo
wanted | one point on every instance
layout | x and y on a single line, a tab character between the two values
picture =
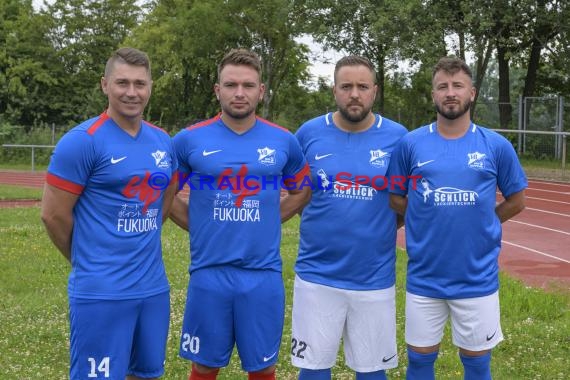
235	165
453	226
345	270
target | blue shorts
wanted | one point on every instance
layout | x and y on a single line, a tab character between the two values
111	339
227	306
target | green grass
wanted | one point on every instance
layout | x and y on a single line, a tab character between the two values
24	166
545	164
34	332
546	169
9	192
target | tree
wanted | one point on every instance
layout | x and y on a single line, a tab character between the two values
465	30
84	33
185	50
547	21
298	104
27	66
270	29
374	29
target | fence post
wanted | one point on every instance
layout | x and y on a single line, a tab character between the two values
33	160
520	137
564	141
561	129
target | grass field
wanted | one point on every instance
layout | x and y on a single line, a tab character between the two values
24	166
34	329
546	169
8	192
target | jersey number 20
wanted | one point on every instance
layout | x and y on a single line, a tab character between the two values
190	343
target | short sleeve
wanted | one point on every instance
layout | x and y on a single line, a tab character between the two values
511	176
296	161
72	162
180	146
399	167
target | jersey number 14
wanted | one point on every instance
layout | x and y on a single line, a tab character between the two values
103	367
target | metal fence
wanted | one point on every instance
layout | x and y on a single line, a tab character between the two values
530	117
547	135
33	150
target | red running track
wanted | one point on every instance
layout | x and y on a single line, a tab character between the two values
536	243
22	178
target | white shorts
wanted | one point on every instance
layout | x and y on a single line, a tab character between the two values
365	319
475	322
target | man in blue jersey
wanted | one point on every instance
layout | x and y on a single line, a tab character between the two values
103	206
344	287
235	165
453	226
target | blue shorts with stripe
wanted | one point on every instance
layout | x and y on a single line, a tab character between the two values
227	306
114	338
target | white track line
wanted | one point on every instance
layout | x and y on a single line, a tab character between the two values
547	212
549	191
541	227
546	228
563	184
535	251
548	200
541	210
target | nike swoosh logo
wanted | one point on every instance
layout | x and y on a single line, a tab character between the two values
317	157
114	161
386	360
420	164
267	358
490	337
205	153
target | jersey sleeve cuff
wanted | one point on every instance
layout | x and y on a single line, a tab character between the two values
63	184
299	177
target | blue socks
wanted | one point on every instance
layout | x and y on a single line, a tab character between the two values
421	366
477	367
325	374
315	374
378	375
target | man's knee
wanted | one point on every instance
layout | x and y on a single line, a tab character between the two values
424	350
465	352
264	374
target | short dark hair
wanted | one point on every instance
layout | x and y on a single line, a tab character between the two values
129	56
239	57
451	65
354	60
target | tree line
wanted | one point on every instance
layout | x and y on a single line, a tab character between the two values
54	56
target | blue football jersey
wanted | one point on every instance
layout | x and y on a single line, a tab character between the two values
235	182
348	231
453	235
116	247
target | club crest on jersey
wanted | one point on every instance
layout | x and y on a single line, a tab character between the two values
378	158
476	160
266	156
159	159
